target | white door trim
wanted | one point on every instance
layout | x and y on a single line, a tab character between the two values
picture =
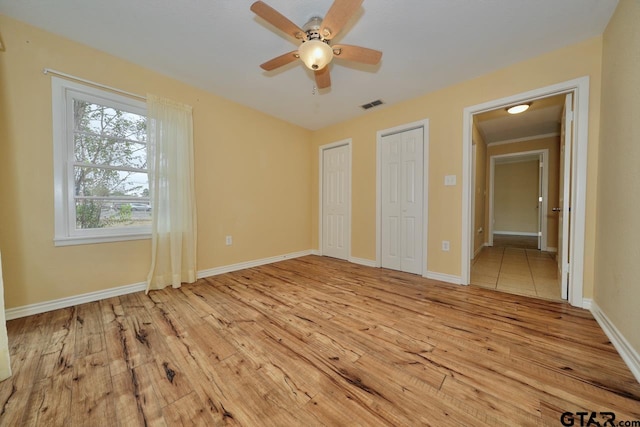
474	171
321	150
424	124
545	189
580	88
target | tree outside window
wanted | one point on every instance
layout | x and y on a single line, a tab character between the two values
110	178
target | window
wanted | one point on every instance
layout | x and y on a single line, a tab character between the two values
100	165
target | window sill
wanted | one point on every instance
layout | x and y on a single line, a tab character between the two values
87	240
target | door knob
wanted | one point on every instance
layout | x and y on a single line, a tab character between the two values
556	209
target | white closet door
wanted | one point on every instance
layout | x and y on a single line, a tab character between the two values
335	199
391	205
402	197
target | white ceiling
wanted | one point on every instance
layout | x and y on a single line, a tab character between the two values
217	45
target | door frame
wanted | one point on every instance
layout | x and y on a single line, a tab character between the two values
345	142
544	153
580	89
474	171
424	124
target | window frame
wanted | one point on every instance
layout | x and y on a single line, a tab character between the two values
63	94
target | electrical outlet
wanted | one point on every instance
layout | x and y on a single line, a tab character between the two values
445	245
229	240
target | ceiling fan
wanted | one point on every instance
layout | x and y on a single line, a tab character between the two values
315	49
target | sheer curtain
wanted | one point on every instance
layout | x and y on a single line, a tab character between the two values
171	186
5	364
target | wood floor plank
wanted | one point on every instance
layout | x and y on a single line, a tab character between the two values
16	390
62	328
497	407
135	400
92	390
209	340
210	393
340	409
89	332
245	392
317	342
188	411
51	400
117	341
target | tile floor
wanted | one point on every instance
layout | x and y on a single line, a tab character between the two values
518	270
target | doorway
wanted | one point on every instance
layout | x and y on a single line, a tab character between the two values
516	258
574	226
335	199
401	219
519	197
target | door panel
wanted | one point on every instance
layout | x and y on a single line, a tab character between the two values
402	197
391	206
335	202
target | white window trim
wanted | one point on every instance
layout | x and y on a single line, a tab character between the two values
65	231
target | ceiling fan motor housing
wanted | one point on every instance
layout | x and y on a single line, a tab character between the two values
315	51
312	27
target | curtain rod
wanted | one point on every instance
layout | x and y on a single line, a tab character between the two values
79	79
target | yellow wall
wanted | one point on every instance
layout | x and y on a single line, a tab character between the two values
258	183
444	109
480	193
251	173
617	270
516	197
553	145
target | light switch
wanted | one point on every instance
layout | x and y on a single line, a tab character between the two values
450	180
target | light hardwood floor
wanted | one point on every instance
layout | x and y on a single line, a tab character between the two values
313	342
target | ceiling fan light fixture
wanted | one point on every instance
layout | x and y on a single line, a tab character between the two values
520	108
315	54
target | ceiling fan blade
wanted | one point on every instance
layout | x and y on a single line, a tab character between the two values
276	19
357	53
279	61
323	78
337	16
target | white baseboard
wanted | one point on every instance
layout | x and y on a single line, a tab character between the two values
250	264
628	353
475	254
551	249
42	307
587	303
516	233
363	261
355	260
448	278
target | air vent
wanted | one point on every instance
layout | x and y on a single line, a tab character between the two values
372	104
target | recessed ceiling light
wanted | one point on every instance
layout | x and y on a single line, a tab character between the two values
520	108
